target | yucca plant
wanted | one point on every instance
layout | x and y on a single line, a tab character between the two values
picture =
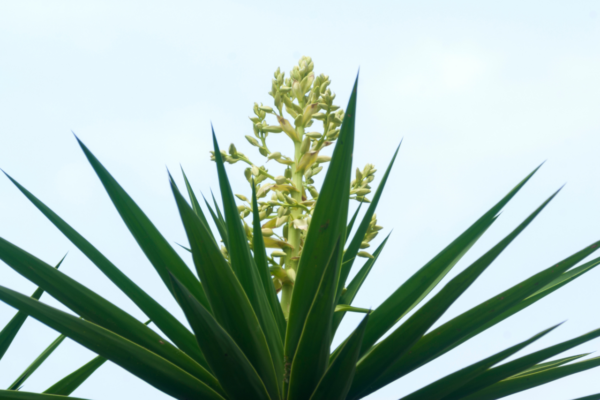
270	293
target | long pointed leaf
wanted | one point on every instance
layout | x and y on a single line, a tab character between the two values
400	341
519	366
95	308
260	259
411	292
166	322
446	337
440	388
352	221
69	383
516	385
193	199
231	367
14	395
156	248
312	356
220	224
328	224
36	363
354	287
354	246
9	332
138	360
230	305
336	382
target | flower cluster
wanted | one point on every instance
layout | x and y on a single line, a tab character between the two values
286	201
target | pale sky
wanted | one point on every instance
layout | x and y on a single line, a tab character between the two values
481	92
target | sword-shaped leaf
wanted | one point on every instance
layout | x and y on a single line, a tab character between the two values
328	224
229	364
166	322
36	363
382	356
352	221
354	246
353	289
518	384
96	309
336	382
445	337
69	383
138	360
523	365
312	355
193	199
411	292
440	388
9	332
156	248
260	259
231	307
14	395
220	224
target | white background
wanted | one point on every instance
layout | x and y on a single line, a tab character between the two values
481	92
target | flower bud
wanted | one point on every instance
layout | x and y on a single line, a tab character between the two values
319	116
248	174
307	160
263	151
255	170
287	128
360	192
309	111
280	180
278	253
305	145
313	192
313	135
241	197
281	220
275	156
364	245
364	254
241	208
266	109
232	150
267	231
252	140
288	173
323	159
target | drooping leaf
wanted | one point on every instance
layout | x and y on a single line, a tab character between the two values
336	382
448	384
312	356
445	337
9	332
354	246
69	383
138	360
36	363
419	285
382	356
156	248
229	364
328	224
166	322
260	259
95	308
518	384
231	307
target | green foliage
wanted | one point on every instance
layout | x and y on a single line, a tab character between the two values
264	298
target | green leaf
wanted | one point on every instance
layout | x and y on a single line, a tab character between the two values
446	337
246	269
411	292
523	365
354	287
440	388
231	367
312	355
336	382
36	363
260	259
220	224
590	397
95	308
231	307
550	364
354	246
138	360
166	322
328	224
518	384
382	356
8	334
156	248
194	200
69	383
14	395
352	221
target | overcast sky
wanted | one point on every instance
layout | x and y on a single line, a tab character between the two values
481	92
